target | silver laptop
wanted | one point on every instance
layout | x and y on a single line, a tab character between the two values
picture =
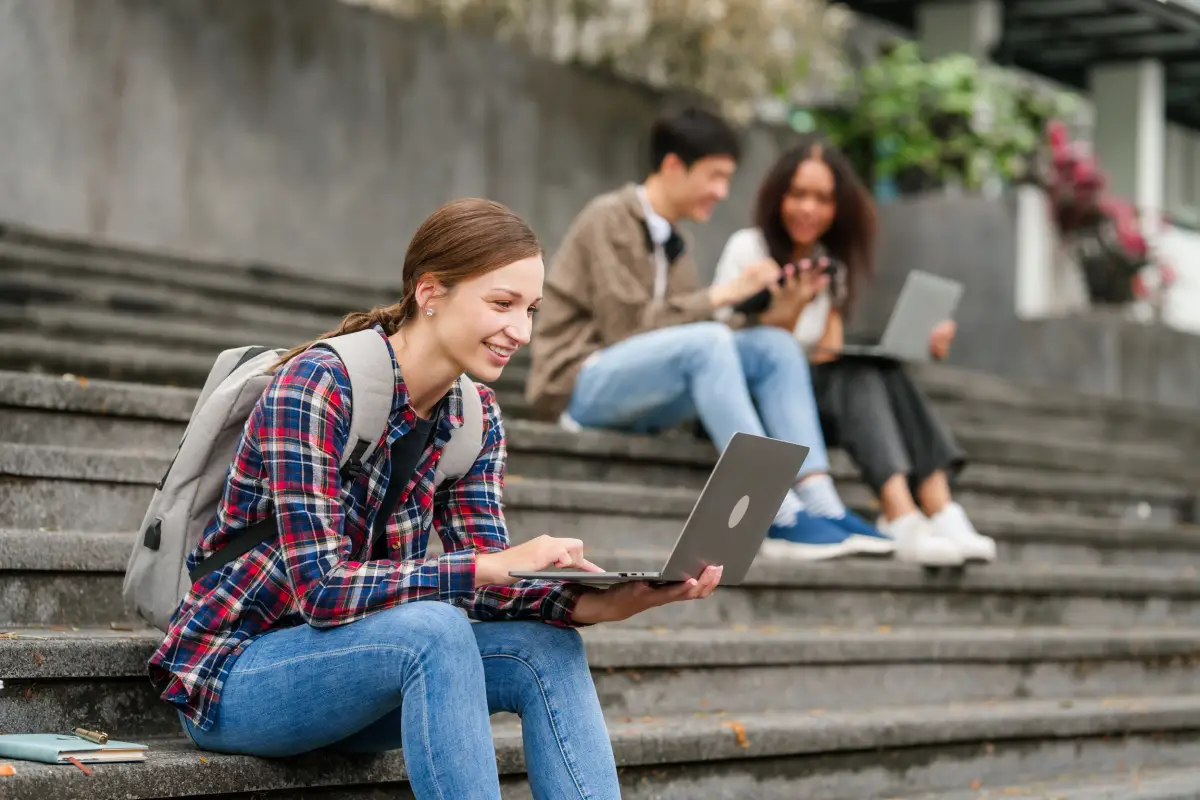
925	301
728	522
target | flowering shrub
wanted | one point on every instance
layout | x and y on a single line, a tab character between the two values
1105	232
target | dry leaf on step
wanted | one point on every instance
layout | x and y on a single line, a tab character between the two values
739	730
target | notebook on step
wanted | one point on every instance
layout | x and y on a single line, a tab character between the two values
56	748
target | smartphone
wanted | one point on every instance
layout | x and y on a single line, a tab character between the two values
758	303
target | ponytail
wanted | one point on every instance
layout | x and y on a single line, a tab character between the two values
390	318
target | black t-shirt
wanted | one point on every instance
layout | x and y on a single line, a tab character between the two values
406	452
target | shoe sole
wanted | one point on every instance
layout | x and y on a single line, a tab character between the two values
873	545
795	551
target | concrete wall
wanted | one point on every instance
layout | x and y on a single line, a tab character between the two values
301	132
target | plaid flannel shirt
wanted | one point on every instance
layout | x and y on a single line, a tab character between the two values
316	572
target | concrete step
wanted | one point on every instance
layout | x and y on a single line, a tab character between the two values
57	578
21	400
26	286
182	267
95	678
263	287
49	486
818	755
1125	784
69	327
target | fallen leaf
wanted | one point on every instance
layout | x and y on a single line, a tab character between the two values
83	381
58	627
203	760
651	719
975	785
884	629
7	771
120	626
739	731
38	658
739	628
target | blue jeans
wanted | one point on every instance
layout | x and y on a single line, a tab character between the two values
423	676
659	379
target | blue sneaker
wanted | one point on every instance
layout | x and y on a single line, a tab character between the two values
808	538
869	538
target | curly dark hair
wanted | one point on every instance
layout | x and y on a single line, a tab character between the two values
851	237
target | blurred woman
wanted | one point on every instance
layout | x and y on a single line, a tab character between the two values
816	219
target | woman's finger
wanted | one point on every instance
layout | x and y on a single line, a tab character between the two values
588	566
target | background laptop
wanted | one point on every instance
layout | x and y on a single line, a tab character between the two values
729	520
925	300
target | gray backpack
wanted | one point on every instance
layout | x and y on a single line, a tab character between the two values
186	498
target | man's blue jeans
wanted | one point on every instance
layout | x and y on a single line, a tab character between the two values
423	676
659	379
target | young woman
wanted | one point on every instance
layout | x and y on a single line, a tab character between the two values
811	206
308	641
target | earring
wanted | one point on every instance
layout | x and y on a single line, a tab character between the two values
429	311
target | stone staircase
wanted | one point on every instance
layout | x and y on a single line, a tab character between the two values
1066	670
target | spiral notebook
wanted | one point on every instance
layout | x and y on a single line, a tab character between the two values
56	748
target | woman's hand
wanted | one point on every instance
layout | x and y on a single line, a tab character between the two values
536	554
801	284
941	339
626	599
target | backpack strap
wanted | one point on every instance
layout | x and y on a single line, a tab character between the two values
372	385
463	448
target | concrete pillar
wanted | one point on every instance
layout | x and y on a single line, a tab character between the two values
959	26
1176	174
1130	131
1193	177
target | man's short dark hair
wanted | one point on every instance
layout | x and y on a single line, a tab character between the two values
692	134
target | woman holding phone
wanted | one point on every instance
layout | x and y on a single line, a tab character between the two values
816	218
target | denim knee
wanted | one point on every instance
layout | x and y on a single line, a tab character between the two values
550	647
709	341
444	628
773	346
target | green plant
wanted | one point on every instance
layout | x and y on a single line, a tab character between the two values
946	121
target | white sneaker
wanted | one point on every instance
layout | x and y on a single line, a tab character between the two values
952	523
918	543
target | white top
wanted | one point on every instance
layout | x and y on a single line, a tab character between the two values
660	232
743	249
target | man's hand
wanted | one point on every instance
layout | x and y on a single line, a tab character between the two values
941	339
753	279
802	283
536	554
626	599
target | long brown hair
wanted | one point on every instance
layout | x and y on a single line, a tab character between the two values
851	237
461	240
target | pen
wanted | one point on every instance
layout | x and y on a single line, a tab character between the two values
96	737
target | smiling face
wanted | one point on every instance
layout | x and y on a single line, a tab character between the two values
480	323
810	204
695	191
